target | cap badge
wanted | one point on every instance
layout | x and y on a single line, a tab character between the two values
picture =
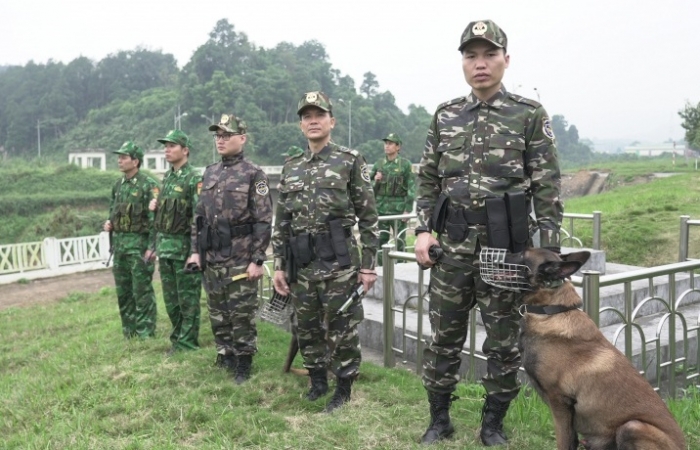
479	28
311	97
225	118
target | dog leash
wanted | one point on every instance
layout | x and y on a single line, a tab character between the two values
545	310
437	255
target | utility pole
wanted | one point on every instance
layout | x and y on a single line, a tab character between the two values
38	136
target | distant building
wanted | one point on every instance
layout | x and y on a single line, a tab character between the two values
89	159
675	148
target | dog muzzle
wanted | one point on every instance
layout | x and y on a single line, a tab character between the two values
494	270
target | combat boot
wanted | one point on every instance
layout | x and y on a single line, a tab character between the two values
492	415
440	425
343	388
243	368
319	384
228	362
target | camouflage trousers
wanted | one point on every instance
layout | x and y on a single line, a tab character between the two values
385	227
453	294
181	295
232	311
327	338
135	296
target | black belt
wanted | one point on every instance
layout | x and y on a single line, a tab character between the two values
241	230
348	232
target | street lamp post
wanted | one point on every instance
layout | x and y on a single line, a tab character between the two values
38	136
538	94
177	118
210	120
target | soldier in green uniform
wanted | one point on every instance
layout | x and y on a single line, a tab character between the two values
394	191
489	158
174	212
132	224
324	192
231	232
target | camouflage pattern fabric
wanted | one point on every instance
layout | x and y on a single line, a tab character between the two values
476	150
396	191
135	296
314	188
237	190
334	345
232	311
453	294
181	291
133	232
333	184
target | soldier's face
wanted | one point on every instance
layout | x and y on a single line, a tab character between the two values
175	153
231	144
484	65
391	148
127	164
316	124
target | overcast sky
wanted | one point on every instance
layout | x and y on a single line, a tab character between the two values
617	69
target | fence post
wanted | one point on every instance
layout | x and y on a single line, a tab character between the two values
596	230
684	239
104	245
388	280
591	295
51	253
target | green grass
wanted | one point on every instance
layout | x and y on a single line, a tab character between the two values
68	380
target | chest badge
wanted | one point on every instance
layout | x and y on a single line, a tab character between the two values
261	187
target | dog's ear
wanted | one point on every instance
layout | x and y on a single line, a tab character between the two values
557	270
581	257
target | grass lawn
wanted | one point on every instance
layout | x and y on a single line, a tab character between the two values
68	380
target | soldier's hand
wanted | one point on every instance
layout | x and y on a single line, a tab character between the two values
378	176
423	243
107	226
152	204
193	259
367	278
254	271
279	281
149	256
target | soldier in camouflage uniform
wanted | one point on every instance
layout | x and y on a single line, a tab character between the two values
232	230
174	211
323	193
132	224
490	144
394	191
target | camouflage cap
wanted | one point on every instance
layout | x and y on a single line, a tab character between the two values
317	99
393	137
486	30
176	137
230	124
131	149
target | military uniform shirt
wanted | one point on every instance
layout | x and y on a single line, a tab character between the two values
238	190
315	188
476	149
395	192
176	204
129	214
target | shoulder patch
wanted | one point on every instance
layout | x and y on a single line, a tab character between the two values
527	101
547	128
454	101
261	187
365	172
354	153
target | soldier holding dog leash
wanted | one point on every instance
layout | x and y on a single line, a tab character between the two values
488	157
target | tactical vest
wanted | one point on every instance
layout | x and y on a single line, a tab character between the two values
131	216
392	184
174	214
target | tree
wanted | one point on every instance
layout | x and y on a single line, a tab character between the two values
369	85
691	123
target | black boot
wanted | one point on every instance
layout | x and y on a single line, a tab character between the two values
228	362
243	369
343	388
440	426
319	384
492	415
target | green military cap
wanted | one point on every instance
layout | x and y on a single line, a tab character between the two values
229	124
317	99
294	151
393	137
131	149
486	30
176	137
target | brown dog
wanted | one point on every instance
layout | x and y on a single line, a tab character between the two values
591	387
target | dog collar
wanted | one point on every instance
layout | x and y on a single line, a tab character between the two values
547	310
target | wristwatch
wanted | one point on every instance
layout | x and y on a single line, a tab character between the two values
259	262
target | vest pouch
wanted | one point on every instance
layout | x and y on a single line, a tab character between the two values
324	247
456	225
497	230
439	216
516	205
301	248
339	244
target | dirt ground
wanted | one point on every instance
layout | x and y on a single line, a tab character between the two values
53	289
